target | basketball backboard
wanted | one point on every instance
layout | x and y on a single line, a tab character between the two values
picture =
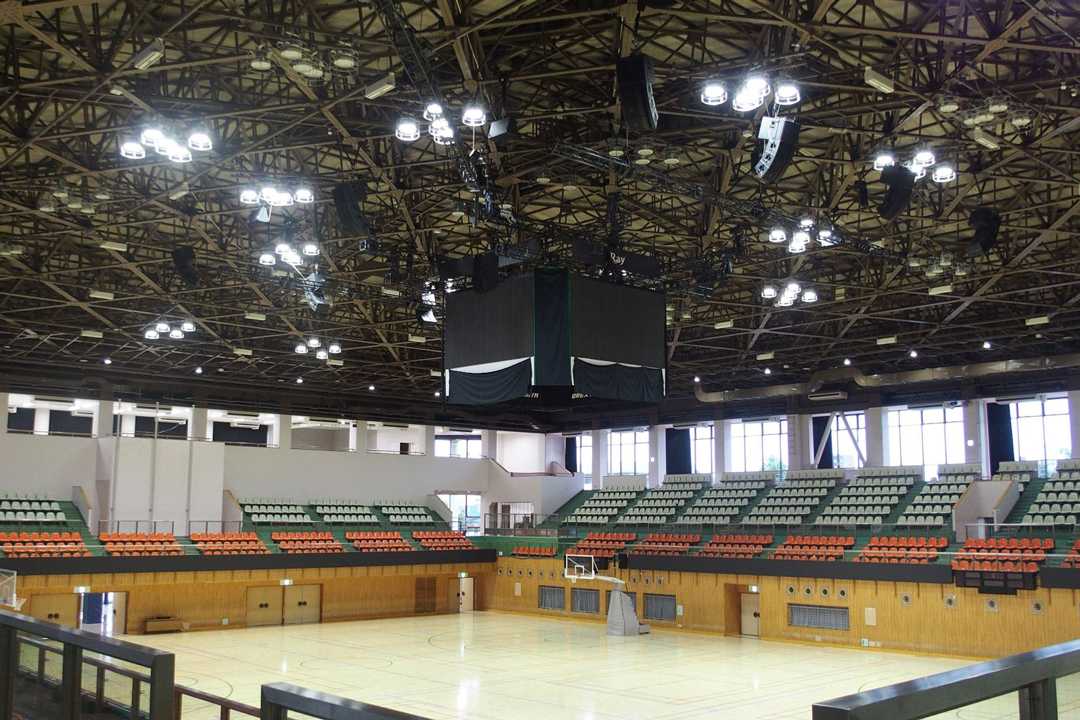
579	567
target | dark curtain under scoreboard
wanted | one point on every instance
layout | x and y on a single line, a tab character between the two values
999	434
820	426
677	443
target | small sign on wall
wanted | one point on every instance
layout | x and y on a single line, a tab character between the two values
870	616
517	589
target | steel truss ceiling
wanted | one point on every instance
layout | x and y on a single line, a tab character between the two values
69	94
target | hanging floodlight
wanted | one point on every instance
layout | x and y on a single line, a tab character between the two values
407	129
261	62
944	173
176	334
179	154
746	101
444	136
948	104
997	104
1021	118
924	158
282	198
768	292
304	196
152	136
473	116
199	140
321	355
796	247
755	85
301	349
335	348
918	171
809	296
713	92
267	259
311	249
777	235
432	110
883	160
151	334
132	150
162	326
249	196
292	51
303	65
792	288
314	342
187	326
805	224
787	93
785	301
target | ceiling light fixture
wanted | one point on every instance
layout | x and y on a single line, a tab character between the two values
473	116
301	349
267	259
132	150
334	348
777	235
432	110
371	388
809	296
176	334
924	158
314	342
986	345
847	362
199	370
162	326
768	292
151	334
944	173
713	92
311	249
107	361
787	93
767	371
913	354
261	62
407	129
187	326
884	160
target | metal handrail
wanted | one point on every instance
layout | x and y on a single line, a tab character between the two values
1033	674
279	698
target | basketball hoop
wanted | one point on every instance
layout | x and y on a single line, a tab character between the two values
579	566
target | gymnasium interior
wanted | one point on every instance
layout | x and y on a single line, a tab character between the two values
576	359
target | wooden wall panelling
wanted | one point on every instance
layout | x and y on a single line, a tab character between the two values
60	609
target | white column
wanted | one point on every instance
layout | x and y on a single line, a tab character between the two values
429	440
197	427
371	437
800	437
720	446
103	418
976	448
3	413
1074	421
352	436
489	444
875	437
283	427
41	421
599	457
657	454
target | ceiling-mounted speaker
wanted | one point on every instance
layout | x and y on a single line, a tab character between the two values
900	183
183	258
348	198
634	75
778	139
986	222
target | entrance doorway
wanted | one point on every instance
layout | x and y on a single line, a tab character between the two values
750	604
303	604
465	595
103	613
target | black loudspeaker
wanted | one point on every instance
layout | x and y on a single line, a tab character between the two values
183	258
485	272
347	199
634	75
986	222
778	138
900	184
863	193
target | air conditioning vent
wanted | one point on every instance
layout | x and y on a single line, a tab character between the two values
826	396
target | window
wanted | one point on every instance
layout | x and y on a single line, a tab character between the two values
464	512
457	446
552	598
701	449
925	436
584	456
628	452
584	601
1040	430
659	607
845	454
817	616
759	445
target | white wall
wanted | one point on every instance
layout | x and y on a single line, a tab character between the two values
48	465
389	439
522	452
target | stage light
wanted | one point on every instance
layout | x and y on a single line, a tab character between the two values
805	224
299	381
713	92
199	140
304	196
301	349
248	196
473	116
321	355
697	379
884	160
199	370
314	342
311	249
944	173
746	101
810	296
187	326
986	345
777	235
46	204
132	150
176	334
335	348
787	93
152	136
267	259
847	362
432	110
162	326
924	158
151	334
768	292
767	371
407	130
107	361
913	354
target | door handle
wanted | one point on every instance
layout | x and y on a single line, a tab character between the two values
757	615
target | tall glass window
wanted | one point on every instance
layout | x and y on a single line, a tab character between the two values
845	454
457	446
1040	430
759	445
465	510
701	448
584	456
628	452
925	436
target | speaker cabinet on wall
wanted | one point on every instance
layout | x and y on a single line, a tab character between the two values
900	184
986	222
347	200
778	139
634	75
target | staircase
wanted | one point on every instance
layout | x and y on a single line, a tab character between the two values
904	503
1024	502
825	502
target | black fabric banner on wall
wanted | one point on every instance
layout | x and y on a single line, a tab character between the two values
571	454
678	451
552	328
618	382
820	427
999	434
226	433
491	387
22	419
62	421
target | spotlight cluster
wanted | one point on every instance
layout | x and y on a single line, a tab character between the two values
438	123
163	329
288	254
751	93
919	164
791	292
799	238
314	346
177	146
276	197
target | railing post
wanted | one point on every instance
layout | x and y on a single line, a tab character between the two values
1038	701
9	659
71	682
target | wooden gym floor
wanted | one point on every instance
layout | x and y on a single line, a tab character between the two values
494	666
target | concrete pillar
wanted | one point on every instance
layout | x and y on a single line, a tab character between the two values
3	412
127	425
282	431
429	439
371	437
197	427
103	419
41	421
874	452
720	446
599	457
800	436
489	444
976	448
1074	421
657	455
352	436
